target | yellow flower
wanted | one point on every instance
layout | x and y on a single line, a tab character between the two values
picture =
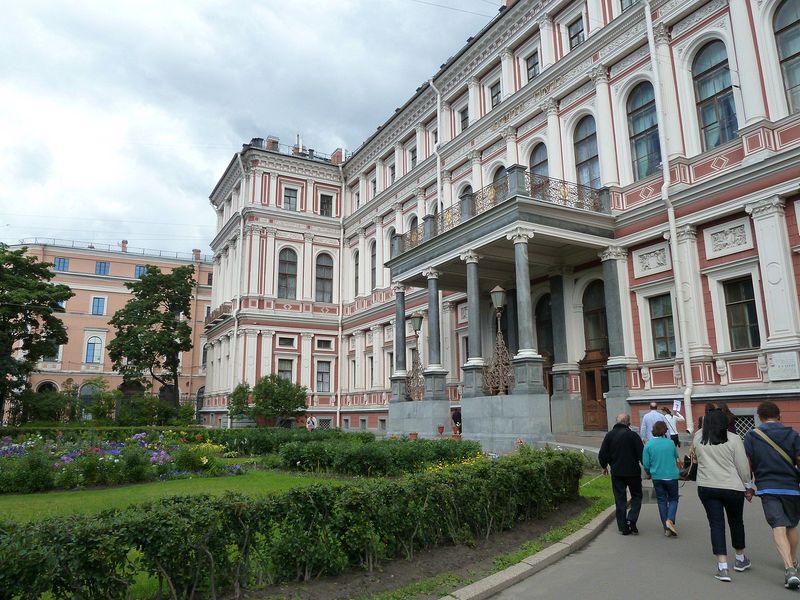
204	460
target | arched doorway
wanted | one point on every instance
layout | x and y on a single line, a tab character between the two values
130	389
594	375
87	393
47	387
544	339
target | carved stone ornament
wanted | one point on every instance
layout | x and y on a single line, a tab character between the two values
431	273
687	233
474	156
470	256
519	235
550	106
613	253
308	237
661	33
765	208
728	238
599	74
398	288
420	192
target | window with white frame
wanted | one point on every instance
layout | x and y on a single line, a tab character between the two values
326	205
532	65
323	344
392	173
290	199
324	278
412	156
716	111
94	350
738	313
346	423
662	326
389	365
626	4
352	373
362	424
101	267
495	93
356	269
587	162
286	342
538	162
463	119
373	186
373	265
60	264
139	270
575	33
287	274
357	198
740	308
371	372
643	130
382	424
52	357
98	306
323	376
285	368
786	24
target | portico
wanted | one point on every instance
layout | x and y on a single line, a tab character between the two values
519	230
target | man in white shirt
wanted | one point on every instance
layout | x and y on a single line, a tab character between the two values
650	419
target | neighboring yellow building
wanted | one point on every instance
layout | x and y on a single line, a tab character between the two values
97	274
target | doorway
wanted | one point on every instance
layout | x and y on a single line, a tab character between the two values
594	375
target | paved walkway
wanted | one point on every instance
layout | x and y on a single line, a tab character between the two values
649	565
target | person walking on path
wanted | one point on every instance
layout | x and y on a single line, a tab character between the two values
660	460
723	475
621	450
672	425
311	423
774	453
648	420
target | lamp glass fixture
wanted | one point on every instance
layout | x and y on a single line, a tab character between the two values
416	321
498	295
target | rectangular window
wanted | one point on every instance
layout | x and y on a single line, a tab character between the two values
139	270
98	306
494	91
323	376
210	279
390	363
382	424
575	30
626	4
740	305
463	117
346	423
290	199
286	342
371	371
662	326
285	368
392	174
532	64
358	199
61	264
101	267
52	357
326	205
204	360
374	187
435	136
352	374
362	424
208	311
324	344
412	157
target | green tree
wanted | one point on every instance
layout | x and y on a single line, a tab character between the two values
276	397
239	401
152	329
29	329
104	403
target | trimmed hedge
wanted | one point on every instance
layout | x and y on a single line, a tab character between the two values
70	433
268	440
207	546
376	458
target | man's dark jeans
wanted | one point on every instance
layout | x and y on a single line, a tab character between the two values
620	485
718	503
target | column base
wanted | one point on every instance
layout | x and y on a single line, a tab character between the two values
399	388
473	381
617	395
435	385
566	408
528	375
498	422
422	418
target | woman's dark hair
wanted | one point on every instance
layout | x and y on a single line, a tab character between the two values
710	406
728	413
659	429
715	428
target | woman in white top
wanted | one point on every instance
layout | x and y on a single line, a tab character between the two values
672	424
723	475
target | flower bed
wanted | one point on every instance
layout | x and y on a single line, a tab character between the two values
36	464
197	546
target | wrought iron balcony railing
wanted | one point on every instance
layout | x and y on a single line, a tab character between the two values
563	193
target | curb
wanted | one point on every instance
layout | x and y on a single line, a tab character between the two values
497	582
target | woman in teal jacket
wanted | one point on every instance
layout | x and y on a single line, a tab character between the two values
660	460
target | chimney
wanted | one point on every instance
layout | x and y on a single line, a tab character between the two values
257	142
337	157
273	143
196	254
124	245
510	3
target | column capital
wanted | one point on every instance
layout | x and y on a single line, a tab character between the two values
766	207
397	206
470	256
431	273
599	74
613	253
507	53
661	33
687	233
447	175
509	133
550	106
420	128
473	82
308	237
398	145
272	232
378	162
310	182
420	192
378	221
360	333
448	306
519	235
545	20
474	156
374	328
267	332
362	233
398	288
306	335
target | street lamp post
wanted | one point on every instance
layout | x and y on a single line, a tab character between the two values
498	376
416	381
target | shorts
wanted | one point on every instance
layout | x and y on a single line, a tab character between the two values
781	510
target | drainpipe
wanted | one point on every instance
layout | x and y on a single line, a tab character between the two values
439	200
677	267
341	304
240	278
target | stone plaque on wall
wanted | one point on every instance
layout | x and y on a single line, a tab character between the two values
784	366
728	238
651	260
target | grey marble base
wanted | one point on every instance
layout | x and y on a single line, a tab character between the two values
399	389
435	385
421	416
617	395
566	408
497	422
473	381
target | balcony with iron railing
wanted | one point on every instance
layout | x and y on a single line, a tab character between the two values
539	188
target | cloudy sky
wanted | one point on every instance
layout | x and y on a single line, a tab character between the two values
118	117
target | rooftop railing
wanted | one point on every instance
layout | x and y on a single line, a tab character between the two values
119	248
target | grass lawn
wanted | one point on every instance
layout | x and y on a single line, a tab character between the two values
29	507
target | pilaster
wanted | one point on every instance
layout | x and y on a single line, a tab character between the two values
609	169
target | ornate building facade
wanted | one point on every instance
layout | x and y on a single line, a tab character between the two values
626	172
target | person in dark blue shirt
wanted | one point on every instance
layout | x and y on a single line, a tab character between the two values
774	453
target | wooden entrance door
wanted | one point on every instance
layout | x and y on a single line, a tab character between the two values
594	383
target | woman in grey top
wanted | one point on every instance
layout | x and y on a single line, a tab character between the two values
723	475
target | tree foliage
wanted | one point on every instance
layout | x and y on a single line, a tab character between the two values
239	401
152	329
276	397
29	330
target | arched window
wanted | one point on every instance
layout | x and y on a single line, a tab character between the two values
389	248
413	228
587	164
200	398
716	112
47	387
356	268
544	326
324	292
465	191
373	265
539	160
594	317
287	274
643	129
787	38
88	391
94	350
499	175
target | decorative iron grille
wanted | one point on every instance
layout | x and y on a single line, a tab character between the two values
563	193
744	423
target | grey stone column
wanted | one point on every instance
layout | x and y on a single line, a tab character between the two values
467	206
398	378
516	181
566	409
528	376
616	399
473	369
435	375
